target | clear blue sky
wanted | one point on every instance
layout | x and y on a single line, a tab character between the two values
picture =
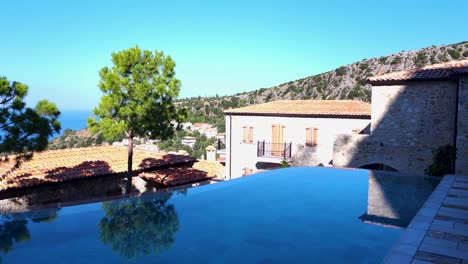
58	47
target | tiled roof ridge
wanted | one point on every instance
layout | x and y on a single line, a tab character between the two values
438	71
307	107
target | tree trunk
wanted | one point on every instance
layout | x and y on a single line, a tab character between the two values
130	162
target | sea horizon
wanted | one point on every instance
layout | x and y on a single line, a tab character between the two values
72	119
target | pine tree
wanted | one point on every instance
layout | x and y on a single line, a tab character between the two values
24	130
138	101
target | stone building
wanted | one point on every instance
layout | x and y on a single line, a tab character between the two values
413	112
301	132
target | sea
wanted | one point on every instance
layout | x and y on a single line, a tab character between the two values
73	119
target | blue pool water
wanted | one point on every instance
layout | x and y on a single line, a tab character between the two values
296	215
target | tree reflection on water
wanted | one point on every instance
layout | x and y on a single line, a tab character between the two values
139	227
12	232
14	227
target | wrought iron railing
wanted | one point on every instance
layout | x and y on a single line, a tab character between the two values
274	150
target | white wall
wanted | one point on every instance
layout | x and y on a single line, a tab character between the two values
240	155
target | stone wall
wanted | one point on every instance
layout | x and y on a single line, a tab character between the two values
462	131
408	122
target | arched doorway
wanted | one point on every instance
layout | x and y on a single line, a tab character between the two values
379	166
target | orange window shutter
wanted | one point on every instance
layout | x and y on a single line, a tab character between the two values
315	137
308	136
250	134
244	134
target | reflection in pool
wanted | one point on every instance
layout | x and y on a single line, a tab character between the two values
136	228
296	215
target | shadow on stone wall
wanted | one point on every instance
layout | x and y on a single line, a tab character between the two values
415	119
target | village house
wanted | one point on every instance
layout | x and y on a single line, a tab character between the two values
188	141
187	126
414	112
205	129
300	132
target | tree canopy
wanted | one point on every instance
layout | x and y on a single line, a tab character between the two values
23	129
138	99
138	96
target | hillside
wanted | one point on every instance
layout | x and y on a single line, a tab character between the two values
76	139
346	82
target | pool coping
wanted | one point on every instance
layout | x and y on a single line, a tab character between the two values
425	239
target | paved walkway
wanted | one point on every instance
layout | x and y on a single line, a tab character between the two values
439	231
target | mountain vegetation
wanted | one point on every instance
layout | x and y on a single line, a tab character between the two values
345	82
77	139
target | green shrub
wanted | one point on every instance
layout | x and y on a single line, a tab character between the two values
443	160
396	60
455	54
284	164
364	66
465	54
341	71
420	59
442	57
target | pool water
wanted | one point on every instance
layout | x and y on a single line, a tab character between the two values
294	215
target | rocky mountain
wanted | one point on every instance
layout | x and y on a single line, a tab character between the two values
76	139
345	82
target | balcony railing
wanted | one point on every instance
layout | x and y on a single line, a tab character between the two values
274	150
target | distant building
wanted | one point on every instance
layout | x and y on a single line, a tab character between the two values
210	132
187	126
301	132
413	113
188	141
210	153
198	126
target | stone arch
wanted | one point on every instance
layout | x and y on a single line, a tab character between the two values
267	165
378	166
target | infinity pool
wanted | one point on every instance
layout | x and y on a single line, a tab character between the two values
295	215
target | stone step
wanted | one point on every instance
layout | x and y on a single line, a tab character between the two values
451	252
449	230
460	184
459	193
455	202
452	212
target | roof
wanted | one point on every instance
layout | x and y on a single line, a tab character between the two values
189	138
175	176
320	108
69	164
201	124
201	171
440	71
210	147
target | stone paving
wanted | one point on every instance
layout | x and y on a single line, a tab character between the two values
439	231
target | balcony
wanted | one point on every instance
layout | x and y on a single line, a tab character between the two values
274	150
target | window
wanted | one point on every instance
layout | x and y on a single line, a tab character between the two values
247	135
311	136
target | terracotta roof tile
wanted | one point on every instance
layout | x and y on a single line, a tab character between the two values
307	108
440	71
69	164
176	176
